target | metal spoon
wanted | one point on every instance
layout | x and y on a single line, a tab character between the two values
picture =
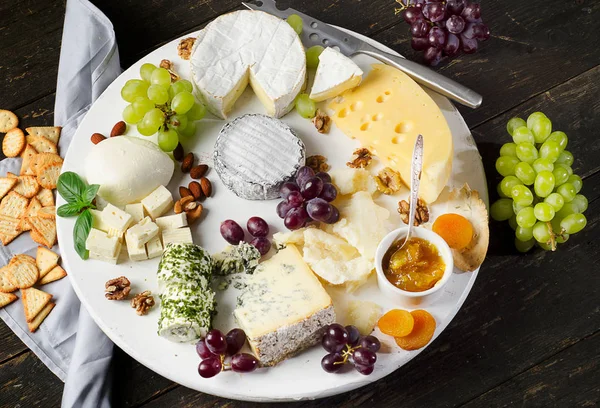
415	181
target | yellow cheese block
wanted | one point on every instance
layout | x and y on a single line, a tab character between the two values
386	113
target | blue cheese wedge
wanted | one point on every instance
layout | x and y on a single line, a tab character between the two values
158	202
170	222
239	258
254	154
284	308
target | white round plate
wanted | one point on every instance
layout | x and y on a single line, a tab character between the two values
297	378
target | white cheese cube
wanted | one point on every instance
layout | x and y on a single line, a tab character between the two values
172	221
136	211
112	260
177	236
97	220
101	244
158	202
135	253
141	233
154	247
117	220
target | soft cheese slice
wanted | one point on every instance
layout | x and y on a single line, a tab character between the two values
386	113
248	47
254	154
284	308
336	73
349	180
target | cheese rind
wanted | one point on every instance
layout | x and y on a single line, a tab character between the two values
336	73
386	113
158	202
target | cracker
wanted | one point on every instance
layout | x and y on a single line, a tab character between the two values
51	133
34	301
6	184
47	212
46	197
13	143
6	286
41	159
33	326
36	237
27	186
41	144
48	175
45	228
11	175
6	299
8	229
8	120
32	209
13	205
23	273
28	154
55	274
45	260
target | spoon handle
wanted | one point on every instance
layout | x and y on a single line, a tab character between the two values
415	170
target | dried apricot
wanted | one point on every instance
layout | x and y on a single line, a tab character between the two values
396	323
423	329
455	229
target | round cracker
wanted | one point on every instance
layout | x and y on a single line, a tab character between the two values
23	272
8	120
13	143
48	175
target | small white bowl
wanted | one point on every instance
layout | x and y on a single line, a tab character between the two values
403	296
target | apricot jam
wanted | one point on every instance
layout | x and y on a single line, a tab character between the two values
414	268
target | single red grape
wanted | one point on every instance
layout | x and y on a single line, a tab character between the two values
202	350
303	174
328	363
287	188
364	369
295	218
215	341
257	227
235	338
244	363
232	232
210	367
262	244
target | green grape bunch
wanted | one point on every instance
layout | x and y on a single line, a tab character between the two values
539	194
159	105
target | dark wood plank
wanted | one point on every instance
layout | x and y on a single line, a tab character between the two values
11	344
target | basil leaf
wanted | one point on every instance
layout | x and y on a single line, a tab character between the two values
90	193
68	210
70	186
81	230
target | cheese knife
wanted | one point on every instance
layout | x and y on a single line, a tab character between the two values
316	32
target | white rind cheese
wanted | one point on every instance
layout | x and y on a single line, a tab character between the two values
336	73
248	47
284	308
254	154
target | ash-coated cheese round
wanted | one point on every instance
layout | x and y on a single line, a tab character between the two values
254	154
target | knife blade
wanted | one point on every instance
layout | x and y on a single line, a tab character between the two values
316	32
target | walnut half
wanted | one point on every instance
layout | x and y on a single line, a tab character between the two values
388	181
184	49
421	213
362	158
322	122
168	65
118	288
318	163
143	302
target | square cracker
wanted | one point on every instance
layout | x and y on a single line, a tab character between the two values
55	274
33	326
6	299
28	154
34	301
6	286
42	159
45	260
32	209
8	229
48	175
27	186
8	120
41	144
46	228
6	184
46	197
13	205
36	237
51	133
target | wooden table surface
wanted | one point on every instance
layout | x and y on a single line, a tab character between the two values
527	335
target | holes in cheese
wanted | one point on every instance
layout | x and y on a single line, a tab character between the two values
377	117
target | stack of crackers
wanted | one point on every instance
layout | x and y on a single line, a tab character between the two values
23	272
27	199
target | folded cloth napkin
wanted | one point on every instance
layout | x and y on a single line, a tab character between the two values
68	341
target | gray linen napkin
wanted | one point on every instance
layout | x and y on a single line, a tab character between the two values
69	342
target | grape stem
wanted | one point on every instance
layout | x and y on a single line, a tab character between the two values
552	241
347	353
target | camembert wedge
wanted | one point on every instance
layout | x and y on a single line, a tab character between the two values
336	73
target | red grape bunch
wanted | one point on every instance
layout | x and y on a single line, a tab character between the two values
213	349
308	198
346	345
257	227
443	28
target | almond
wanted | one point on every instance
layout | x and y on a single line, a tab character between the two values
118	129
190	206
188	162
198	171
194	215
184	192
180	205
196	190
97	138
178	152
206	186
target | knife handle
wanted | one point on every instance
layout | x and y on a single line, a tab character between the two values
427	77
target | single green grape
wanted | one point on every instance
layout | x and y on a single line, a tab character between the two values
576	181
527	152
542	164
567	209
312	56
178	121
153	119
534	117
189	131
550	150
146	71
564	166
515	123
158	94
145	129
196	112
517	207
524	246
502	209
505	165
561	239
581	202
507	184
134	88
161	76
524	234
561	175
187	85
175	88
526	217
573	223
183	102
565	157
295	21
512	222
541	233
142	104
555	200
541	129
305	106
544	183
167	140
525	173
560	138
567	190
543	212
130	115
522	195
545	246
508	149
523	135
